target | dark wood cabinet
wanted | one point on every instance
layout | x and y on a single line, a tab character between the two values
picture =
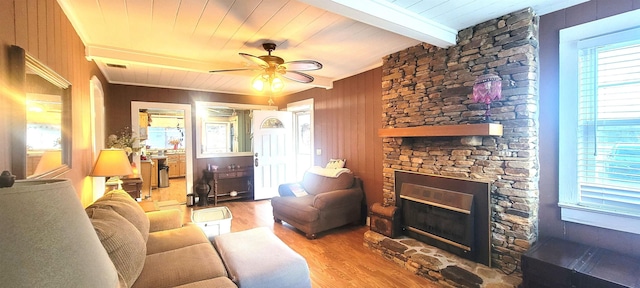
230	184
558	263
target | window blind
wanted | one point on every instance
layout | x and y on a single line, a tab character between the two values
608	147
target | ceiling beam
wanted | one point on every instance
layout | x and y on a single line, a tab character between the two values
390	17
322	82
124	57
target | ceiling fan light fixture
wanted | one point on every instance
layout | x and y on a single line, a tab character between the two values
260	81
276	84
274	68
265	82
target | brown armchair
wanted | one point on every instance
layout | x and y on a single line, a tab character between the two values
321	203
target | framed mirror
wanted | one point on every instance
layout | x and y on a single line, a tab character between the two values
40	120
224	129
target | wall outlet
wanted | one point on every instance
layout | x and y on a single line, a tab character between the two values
318	152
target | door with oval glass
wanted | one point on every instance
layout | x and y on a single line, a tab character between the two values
273	151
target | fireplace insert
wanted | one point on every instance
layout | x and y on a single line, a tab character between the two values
448	213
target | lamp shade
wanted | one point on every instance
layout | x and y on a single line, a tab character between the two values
260	81
47	239
112	162
50	160
487	88
276	84
267	81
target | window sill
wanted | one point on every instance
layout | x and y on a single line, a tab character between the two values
592	217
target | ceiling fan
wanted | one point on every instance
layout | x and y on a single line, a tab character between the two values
274	66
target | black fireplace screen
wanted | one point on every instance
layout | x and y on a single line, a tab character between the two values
448	213
445	216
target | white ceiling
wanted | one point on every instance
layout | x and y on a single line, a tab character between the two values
174	43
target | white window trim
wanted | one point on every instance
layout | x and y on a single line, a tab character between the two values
568	88
306	104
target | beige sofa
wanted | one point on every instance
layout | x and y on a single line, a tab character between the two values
322	202
154	249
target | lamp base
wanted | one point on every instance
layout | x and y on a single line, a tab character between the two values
487	114
114	182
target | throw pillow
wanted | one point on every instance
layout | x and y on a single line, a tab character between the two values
297	190
336	163
123	204
121	240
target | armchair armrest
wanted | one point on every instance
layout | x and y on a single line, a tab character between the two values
338	198
164	220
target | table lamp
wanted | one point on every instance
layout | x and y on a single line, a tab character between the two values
112	163
47	239
486	89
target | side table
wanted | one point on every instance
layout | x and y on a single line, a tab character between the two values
230	184
133	186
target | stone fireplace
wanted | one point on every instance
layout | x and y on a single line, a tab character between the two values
427	86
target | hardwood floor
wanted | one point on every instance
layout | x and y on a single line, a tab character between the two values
337	258
176	191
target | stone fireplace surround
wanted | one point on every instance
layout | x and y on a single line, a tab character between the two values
430	86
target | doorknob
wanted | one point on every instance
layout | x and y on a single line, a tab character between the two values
255	160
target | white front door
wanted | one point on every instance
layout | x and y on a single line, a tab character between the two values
272	151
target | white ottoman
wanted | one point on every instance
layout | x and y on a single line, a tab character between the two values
257	258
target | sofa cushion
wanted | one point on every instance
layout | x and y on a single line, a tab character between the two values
181	266
121	202
299	208
121	240
316	184
164	219
171	239
220	282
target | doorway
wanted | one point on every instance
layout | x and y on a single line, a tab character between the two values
173	160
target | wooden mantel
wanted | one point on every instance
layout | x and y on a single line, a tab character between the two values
484	129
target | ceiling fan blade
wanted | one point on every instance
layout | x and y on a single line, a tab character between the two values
232	70
255	59
302	65
298	76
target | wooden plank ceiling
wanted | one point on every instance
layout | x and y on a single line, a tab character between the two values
174	43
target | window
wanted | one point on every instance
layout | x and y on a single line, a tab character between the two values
600	123
217	137
163	137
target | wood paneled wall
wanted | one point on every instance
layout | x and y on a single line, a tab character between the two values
550	224
43	30
346	123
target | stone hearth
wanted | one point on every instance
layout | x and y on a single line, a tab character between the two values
438	266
